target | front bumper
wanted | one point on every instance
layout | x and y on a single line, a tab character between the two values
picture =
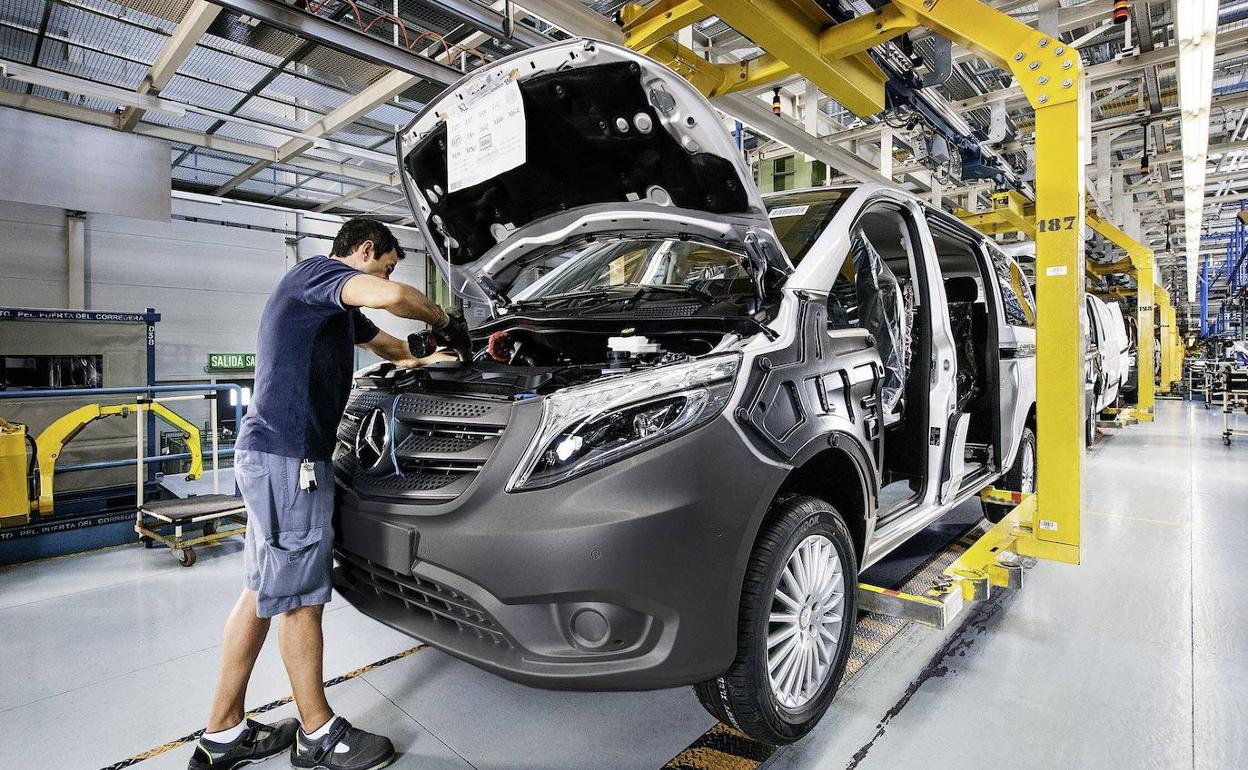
627	578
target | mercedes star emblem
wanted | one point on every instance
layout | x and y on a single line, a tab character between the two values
370	442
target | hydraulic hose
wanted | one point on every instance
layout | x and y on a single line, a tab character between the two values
32	469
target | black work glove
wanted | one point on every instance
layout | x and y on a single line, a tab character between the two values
452	333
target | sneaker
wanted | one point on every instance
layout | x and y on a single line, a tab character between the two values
342	748
257	743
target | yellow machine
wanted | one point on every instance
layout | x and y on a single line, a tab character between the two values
16	466
26	478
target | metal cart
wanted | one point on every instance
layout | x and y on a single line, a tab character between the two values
210	511
1233	383
207	512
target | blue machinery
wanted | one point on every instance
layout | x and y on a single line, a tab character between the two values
1234	269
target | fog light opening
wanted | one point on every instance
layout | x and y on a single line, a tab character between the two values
590	629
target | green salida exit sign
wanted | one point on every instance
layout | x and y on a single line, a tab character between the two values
230	361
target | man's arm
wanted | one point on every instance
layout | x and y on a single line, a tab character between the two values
393	297
394	349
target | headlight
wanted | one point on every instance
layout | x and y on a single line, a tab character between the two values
587	427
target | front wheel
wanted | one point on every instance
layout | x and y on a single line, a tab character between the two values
798	608
1021	477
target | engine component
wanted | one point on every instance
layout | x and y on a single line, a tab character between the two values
634	346
502	347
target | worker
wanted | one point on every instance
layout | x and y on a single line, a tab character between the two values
282	466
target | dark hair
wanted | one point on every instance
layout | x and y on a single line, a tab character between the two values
355	231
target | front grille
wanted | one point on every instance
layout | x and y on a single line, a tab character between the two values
667	311
439	444
364	400
443	442
444	605
421	407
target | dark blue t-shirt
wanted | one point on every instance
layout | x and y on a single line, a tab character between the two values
304	357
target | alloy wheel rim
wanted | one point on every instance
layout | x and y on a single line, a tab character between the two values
804	627
1029	469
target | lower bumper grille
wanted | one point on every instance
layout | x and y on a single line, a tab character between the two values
443	604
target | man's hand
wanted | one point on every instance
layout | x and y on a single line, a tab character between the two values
437	357
396	351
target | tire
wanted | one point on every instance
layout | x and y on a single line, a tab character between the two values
745	696
1017	476
1089	431
185	557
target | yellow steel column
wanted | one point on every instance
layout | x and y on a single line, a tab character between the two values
1060	345
1166	378
1051	76
1144	306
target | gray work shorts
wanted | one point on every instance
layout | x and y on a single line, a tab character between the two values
288	556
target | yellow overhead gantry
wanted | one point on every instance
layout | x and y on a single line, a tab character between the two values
1140	259
1011	212
799	37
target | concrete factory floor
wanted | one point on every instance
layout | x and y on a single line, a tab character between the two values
1137	658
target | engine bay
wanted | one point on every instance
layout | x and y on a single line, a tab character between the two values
519	358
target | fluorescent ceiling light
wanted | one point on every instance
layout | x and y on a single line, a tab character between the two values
1196	25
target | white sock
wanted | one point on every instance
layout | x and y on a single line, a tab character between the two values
228	735
323	730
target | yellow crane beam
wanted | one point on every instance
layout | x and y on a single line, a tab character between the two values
798	36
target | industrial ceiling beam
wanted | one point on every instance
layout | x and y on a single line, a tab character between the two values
487	21
343	39
341	199
45	106
1229	44
195	22
150	103
804	36
361	104
754	113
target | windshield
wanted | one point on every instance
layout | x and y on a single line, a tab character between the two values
800	218
630	263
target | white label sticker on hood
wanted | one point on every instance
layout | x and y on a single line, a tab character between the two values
787	211
486	138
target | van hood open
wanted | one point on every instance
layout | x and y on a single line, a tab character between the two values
568	141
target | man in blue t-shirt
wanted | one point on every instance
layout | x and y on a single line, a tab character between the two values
304	358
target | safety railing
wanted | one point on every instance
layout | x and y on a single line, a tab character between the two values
151	393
